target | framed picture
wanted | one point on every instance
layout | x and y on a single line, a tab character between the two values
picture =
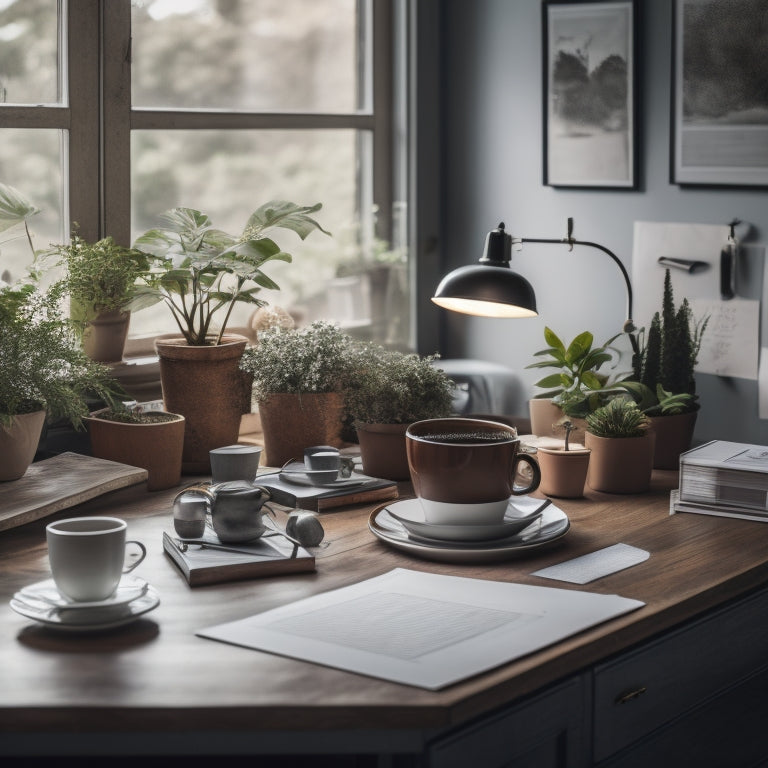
590	93
719	99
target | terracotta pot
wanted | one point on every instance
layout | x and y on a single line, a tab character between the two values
104	336
563	473
18	444
383	450
292	422
673	437
205	385
155	447
620	464
545	415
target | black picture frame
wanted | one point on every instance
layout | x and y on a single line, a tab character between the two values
591	93
719	126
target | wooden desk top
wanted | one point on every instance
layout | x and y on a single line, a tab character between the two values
156	675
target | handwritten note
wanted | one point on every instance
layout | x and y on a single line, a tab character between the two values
730	345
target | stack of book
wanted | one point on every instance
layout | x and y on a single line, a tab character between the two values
725	479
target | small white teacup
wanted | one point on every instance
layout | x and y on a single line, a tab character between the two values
87	556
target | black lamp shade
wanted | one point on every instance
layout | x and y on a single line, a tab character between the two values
487	291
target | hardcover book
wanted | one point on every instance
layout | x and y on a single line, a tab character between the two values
264	557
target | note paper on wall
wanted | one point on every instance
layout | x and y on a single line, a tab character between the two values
730	345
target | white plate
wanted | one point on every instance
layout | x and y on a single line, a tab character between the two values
546	530
297	473
130	588
521	512
88	621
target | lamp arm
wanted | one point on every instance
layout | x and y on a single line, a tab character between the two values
629	326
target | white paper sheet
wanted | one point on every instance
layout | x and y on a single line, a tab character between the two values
595	565
730	344
422	629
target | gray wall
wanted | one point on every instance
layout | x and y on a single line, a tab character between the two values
491	171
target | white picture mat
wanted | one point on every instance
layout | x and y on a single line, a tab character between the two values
422	629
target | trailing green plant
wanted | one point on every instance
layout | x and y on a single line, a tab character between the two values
392	387
578	387
101	276
663	380
620	417
201	272
317	358
41	363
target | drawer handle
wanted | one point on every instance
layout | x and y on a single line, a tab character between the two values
625	697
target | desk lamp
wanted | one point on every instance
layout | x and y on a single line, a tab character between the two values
492	289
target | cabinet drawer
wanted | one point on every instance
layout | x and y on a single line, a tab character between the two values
643	689
548	730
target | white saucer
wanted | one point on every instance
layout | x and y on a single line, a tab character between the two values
44	603
521	512
129	589
545	531
92	620
297	473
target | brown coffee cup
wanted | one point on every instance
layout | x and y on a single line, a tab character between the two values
463	470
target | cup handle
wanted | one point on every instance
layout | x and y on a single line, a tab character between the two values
534	465
143	549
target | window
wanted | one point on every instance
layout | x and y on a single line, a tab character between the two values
218	105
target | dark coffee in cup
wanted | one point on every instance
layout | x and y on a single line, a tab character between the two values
463	470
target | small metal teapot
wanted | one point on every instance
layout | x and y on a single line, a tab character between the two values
236	509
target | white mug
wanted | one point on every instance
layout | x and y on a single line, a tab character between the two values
87	556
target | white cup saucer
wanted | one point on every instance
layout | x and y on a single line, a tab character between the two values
129	589
521	512
43	603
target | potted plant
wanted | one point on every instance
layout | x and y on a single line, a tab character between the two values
622	445
43	372
563	470
389	391
149	439
663	383
299	378
576	389
100	279
201	273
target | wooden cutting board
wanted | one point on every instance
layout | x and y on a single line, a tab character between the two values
63	481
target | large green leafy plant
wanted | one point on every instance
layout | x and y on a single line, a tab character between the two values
42	366
15	210
578	386
201	271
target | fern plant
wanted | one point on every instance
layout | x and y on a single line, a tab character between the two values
619	418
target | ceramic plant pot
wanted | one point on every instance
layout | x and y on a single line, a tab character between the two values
104	336
206	386
292	422
156	447
383	450
620	464
545	415
563	473
673	437
18	444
